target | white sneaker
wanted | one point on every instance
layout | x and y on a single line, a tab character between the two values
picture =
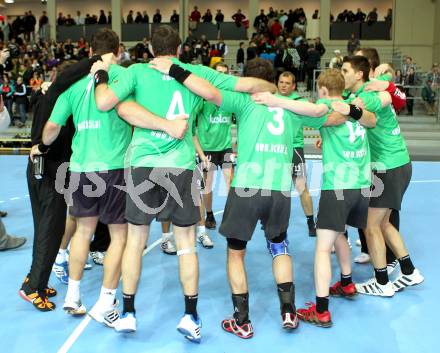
75	308
371	287
204	239
190	328
168	247
61	271
126	323
97	257
362	258
349	243
358	243
391	267
107	317
404	281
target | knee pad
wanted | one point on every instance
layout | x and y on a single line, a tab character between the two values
236	244
278	246
187	251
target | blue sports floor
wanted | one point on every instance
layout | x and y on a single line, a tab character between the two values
405	323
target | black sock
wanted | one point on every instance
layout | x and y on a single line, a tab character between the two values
321	304
209	214
346	280
241	308
310	220
406	265
381	275
191	305
346	234
128	303
286	294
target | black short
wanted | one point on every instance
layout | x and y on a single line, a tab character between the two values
299	164
338	208
166	194
242	213
98	195
220	159
390	187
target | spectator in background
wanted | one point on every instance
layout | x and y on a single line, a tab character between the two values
407	65
102	18
342	17
372	17
69	21
240	57
337	61
174	17
130	17
238	18
351	17
283	17
21	101
429	96
313	63
360	16
389	16
398	78
319	46
109	18
61	19
36	81
207	17
195	15
434	77
157	18
271	13
29	23
222	48
315	15
123	54
219	17
7	91
409	80
251	52
260	22
185	56
145	17
276	29
353	44
138	18
79	19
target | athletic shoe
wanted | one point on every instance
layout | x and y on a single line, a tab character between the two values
204	239
358	243
190	328
3	214
362	258
349	243
38	300
392	266
210	222
126	323
98	257
48	291
87	265
168	247
61	271
290	321
311	316
75	308
371	287
107	317
312	228
338	290
404	281
244	331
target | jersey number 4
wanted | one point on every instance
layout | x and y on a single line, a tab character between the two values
356	130
176	106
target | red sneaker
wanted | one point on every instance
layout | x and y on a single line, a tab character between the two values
244	331
290	321
348	291
311	316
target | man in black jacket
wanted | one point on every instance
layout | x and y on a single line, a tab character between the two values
48	205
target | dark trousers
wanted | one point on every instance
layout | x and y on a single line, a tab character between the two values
101	240
395	221
49	213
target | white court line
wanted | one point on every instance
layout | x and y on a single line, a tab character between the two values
14	198
85	322
426	181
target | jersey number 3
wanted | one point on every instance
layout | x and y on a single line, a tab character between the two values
276	127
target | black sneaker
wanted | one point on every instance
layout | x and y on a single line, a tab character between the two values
210	222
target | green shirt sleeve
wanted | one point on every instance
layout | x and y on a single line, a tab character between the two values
61	111
123	85
315	123
234	102
372	101
217	79
384	77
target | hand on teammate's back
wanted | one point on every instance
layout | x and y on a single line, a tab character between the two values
162	65
177	127
99	65
341	107
376	86
359	102
265	98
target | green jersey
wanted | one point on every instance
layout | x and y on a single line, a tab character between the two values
265	142
165	97
345	155
101	138
298	140
214	128
388	147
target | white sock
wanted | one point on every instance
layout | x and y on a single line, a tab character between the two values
107	297
201	229
73	290
167	236
61	256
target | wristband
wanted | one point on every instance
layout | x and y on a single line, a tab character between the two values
355	112
179	74
101	76
43	148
